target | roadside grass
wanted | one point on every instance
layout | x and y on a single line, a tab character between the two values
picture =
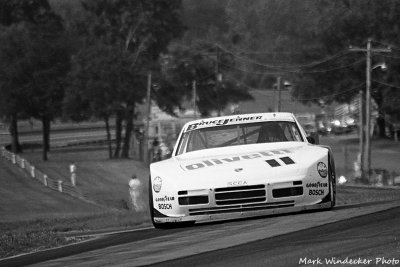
348	195
385	154
27	236
34	217
102	180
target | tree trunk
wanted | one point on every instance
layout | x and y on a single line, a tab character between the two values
381	125
47	129
15	145
118	133
128	132
108	137
45	136
381	118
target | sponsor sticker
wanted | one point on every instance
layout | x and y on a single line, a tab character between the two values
219	122
322	169
165	199
157	182
164	206
226	160
237	183
317	185
316	192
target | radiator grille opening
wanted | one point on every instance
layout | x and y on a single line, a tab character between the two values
287	192
193	200
240	195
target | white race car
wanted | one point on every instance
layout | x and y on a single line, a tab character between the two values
241	166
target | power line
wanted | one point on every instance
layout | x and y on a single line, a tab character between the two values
324	96
302	99
387	44
386	84
332	95
280	67
296	71
388	56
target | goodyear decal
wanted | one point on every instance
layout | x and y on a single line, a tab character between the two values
220	161
317	185
220	122
165	199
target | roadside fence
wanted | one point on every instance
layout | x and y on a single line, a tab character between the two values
34	173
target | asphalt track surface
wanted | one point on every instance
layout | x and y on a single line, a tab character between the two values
369	240
369	231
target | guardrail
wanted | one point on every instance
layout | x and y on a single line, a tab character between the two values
34	173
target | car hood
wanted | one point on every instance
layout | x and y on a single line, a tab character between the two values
237	165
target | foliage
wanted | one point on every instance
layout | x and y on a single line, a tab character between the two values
122	42
202	64
34	61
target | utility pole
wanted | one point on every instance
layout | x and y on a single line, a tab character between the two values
362	134
279	94
368	110
369	50
146	135
218	79
194	99
277	87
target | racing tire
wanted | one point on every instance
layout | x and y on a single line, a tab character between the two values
332	184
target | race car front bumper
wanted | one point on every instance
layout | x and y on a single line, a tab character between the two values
229	214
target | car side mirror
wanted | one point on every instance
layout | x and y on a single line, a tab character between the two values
313	138
166	156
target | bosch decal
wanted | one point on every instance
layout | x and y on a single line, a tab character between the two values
322	169
164	206
315	192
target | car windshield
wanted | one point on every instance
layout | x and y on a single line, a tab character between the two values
240	134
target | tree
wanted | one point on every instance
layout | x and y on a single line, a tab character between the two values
40	60
100	73
50	55
14	76
16	17
140	31
352	23
202	64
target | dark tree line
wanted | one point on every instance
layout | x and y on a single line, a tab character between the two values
85	59
34	59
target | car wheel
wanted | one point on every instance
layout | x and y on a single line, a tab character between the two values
332	185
